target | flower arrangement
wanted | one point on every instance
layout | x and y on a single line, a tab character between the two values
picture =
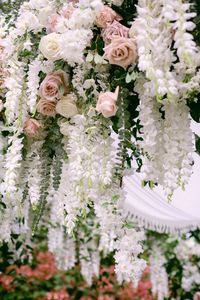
71	74
173	273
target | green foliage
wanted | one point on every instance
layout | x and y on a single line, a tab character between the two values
10	8
52	153
127	10
197	143
194	105
125	122
196	8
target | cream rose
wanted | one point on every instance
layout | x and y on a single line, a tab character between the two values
50	46
54	85
122	52
114	30
106	104
31	127
66	107
106	16
46	107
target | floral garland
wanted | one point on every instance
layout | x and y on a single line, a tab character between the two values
71	74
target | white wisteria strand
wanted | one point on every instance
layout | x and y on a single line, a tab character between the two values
159	277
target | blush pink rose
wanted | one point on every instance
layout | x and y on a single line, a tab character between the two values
46	107
114	30
52	22
122	52
50	88
67	11
106	16
106	104
32	127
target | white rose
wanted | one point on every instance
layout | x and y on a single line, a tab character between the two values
66	107
50	46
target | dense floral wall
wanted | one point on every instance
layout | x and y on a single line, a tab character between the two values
72	74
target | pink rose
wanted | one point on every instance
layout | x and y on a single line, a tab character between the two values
122	52
106	104
67	11
31	127
106	16
46	107
52	22
114	30
50	88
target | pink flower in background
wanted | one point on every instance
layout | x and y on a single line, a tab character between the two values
57	295
50	88
106	16
106	104
6	281
115	29
44	271
122	52
32	127
25	271
46	268
45	257
52	22
105	297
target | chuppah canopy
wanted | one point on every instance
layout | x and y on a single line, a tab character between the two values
150	209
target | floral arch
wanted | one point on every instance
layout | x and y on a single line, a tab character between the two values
71	73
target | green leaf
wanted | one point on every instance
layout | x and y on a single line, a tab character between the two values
197	143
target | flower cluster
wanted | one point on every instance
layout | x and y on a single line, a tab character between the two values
159	277
185	252
162	36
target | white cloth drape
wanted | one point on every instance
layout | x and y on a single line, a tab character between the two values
152	211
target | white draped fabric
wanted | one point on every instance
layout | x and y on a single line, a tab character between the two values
151	209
